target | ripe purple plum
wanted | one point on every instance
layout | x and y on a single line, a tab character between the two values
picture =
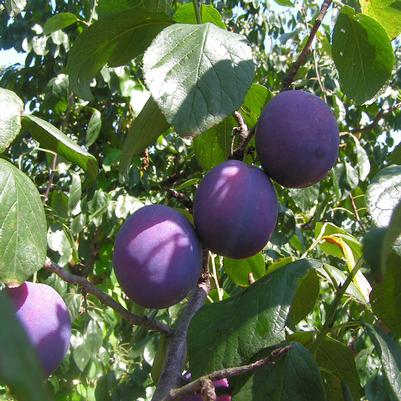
235	209
157	257
297	139
45	317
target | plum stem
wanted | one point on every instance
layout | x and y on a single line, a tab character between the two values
171	375
196	385
308	45
245	135
107	300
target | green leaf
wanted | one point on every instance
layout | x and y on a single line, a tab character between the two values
106	8
385	299
19	367
23	242
362	53
53	139
391	245
75	192
384	194
59	21
336	357
363	160
305	198
395	156
372	248
198	75
219	333
390	355
147	126
94	127
186	15
285	3
11	108
114	40
386	12
305	297
255	100
14	7
214	145
239	269
294	377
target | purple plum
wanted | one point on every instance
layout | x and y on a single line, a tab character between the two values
45	317
157	257
235	209
297	139
218	384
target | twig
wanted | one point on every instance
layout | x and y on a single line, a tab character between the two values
107	299
245	135
331	315
376	119
196	385
356	213
177	343
304	53
181	197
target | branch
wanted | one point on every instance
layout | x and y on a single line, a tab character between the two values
376	119
177	343
196	385
107	299
305	51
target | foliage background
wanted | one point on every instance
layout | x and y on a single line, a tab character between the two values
109	359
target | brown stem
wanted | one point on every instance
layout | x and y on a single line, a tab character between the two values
305	51
177	344
245	135
376	119
196	385
106	299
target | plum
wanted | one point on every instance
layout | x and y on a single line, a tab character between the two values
218	385
157	257
45	317
235	209
297	139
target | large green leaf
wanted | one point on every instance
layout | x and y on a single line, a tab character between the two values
106	8
147	126
186	14
385	299
386	12
230	332
362	53
336	357
19	367
198	75
59	21
391	245
23	229
390	355
295	377
115	40
53	139
11	108
384	194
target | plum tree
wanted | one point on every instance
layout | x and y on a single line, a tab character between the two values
297	139
235	209
45	317
157	256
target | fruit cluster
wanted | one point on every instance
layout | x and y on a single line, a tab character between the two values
157	253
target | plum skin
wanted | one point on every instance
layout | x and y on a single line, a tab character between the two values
157	257
46	320
235	209
297	139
